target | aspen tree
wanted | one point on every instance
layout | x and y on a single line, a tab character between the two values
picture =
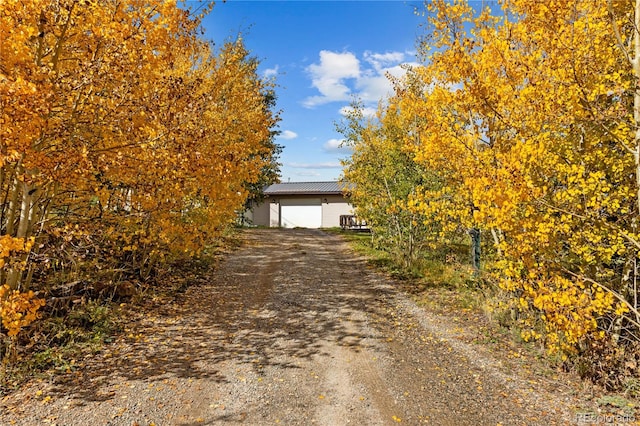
529	119
122	133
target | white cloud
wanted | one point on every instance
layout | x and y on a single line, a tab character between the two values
340	77
329	76
367	112
373	89
326	165
333	145
308	173
380	60
271	72
399	70
288	134
380	86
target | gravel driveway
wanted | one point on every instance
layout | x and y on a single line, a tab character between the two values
290	329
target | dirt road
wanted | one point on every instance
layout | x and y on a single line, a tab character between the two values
290	329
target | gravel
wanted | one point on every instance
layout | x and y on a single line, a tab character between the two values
293	329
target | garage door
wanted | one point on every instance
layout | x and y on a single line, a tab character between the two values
304	213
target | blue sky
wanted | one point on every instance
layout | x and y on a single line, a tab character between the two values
321	54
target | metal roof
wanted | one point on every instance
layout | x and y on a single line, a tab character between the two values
290	188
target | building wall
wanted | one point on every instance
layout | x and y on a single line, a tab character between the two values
335	206
268	212
274	215
259	214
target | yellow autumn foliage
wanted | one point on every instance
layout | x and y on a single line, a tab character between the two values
18	309
526	117
121	128
535	130
384	180
10	247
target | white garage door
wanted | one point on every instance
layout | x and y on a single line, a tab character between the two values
306	213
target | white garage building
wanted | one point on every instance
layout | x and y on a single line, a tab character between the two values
301	205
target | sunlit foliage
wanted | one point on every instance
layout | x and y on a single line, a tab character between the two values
384	181
527	118
122	133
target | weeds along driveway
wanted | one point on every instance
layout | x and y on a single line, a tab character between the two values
292	328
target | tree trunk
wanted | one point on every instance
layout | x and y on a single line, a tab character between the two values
474	233
636	97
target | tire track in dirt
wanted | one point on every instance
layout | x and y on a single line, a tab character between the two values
290	329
